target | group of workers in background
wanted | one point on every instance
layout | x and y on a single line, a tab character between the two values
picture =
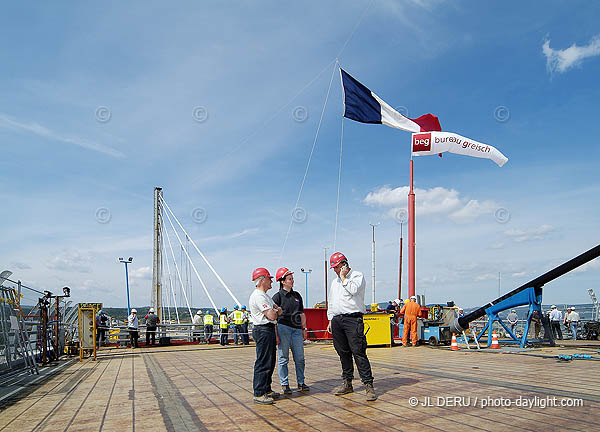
239	319
570	320
410	309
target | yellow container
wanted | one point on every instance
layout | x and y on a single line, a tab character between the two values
378	329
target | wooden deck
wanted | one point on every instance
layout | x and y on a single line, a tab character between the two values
195	387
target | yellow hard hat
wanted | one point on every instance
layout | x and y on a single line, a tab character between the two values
406	301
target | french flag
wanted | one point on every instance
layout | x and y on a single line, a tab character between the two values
362	105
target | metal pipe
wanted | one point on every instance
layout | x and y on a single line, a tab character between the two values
411	236
462	323
400	267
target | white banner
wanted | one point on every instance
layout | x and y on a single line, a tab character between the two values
432	143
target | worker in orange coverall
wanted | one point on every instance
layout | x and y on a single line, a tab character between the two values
410	310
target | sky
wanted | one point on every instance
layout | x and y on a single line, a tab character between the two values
234	108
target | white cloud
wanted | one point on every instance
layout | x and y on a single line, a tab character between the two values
539	233
497	246
236	235
20	265
141	273
37	129
519	274
71	261
486	276
435	201
88	285
562	60
472	210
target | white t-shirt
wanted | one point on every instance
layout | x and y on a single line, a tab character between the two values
260	302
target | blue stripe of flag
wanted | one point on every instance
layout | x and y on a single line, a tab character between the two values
359	103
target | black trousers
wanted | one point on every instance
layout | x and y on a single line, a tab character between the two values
150	334
245	335
555	326
266	345
224	335
349	341
100	336
208	331
133	337
237	333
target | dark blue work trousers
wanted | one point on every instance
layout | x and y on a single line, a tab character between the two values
349	341
264	336
245	335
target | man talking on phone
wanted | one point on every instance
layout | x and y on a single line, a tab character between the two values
345	313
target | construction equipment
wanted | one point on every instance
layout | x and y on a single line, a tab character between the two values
377	328
596	311
527	294
433	325
17	327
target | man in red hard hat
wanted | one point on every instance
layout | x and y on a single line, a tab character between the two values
345	313
263	314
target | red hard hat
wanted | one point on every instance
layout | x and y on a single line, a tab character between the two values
336	258
282	273
261	271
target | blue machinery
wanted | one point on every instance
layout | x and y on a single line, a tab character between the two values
527	294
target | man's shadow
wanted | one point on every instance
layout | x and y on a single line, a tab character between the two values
381	385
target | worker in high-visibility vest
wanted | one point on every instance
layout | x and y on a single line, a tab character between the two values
245	320
223	324
236	317
208	327
411	311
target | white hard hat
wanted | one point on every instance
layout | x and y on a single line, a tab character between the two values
553	307
199	312
413	297
397	301
151	310
133	311
571	308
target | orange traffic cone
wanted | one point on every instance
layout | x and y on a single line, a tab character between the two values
454	345
495	344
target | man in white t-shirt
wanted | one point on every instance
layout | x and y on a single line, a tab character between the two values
263	314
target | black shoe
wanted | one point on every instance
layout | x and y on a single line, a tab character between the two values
286	390
303	387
